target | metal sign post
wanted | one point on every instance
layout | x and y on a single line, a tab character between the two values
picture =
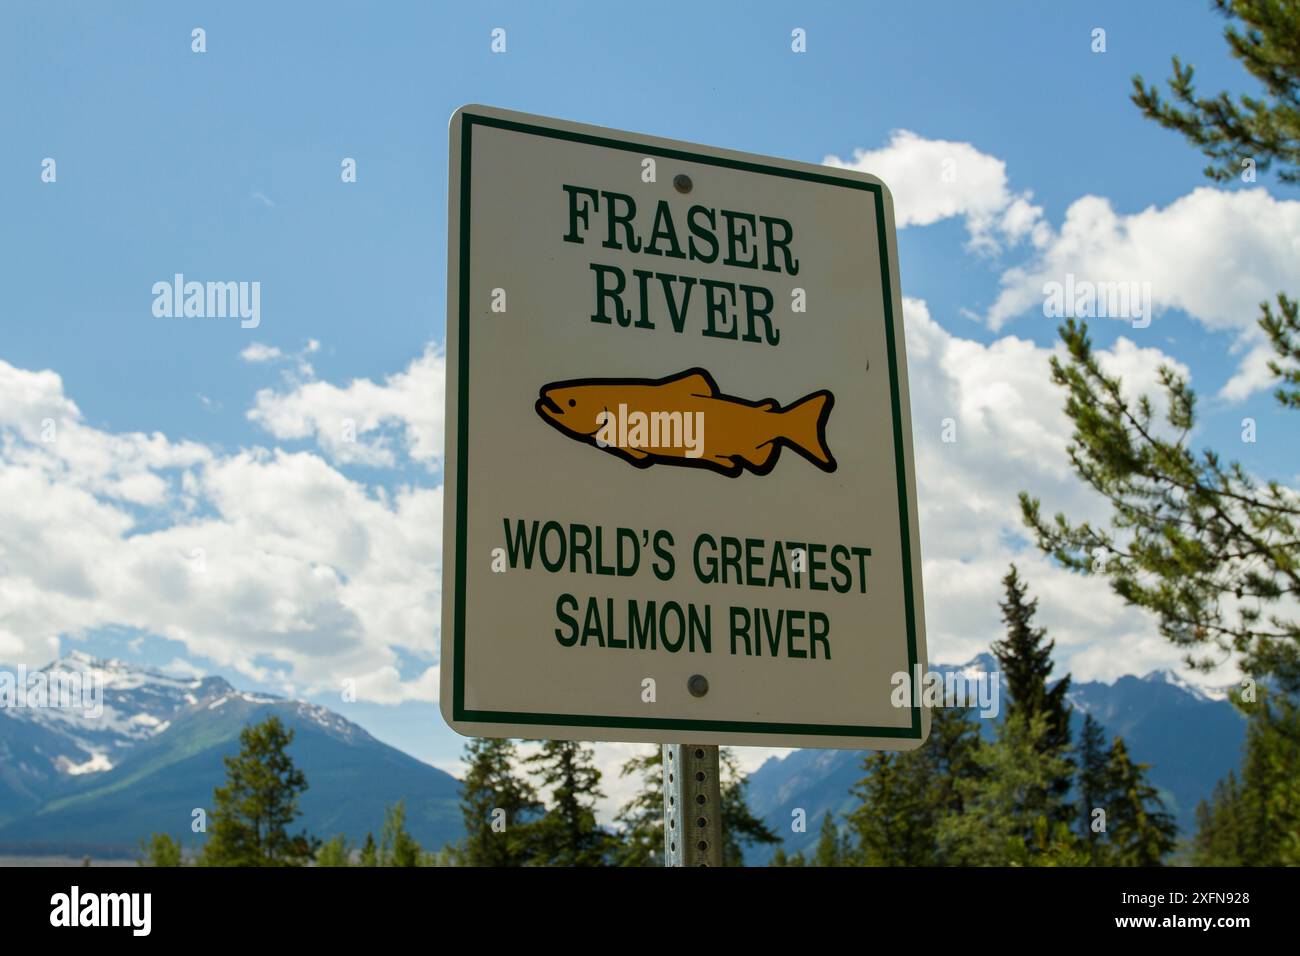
692	805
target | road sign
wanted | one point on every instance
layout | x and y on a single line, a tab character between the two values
679	501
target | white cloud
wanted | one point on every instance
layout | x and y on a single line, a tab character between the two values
1012	435
183	668
385	686
1253	373
42	429
933	179
301	369
257	352
348	423
1214	254
270	563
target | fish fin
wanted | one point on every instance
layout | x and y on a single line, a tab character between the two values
761	457
726	464
636	453
805	428
693	381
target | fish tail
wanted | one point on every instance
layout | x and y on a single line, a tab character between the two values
806	428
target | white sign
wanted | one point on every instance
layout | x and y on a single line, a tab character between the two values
680	502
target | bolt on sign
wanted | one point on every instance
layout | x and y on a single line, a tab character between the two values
679	502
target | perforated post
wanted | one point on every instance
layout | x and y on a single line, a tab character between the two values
692	805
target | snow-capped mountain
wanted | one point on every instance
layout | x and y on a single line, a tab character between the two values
72	782
116	707
1182	683
138	750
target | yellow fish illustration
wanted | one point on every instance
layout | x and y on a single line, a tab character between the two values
684	420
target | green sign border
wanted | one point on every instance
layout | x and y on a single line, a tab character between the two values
468	122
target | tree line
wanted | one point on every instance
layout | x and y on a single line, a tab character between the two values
1026	793
507	823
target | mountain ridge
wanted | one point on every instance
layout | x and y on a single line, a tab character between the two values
71	783
1191	737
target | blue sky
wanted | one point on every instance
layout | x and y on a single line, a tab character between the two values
225	165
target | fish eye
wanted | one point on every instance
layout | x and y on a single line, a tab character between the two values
573	403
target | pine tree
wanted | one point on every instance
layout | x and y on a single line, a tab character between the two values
740	828
1228	129
903	796
498	806
1256	821
259	802
779	858
1026	661
895	821
568	834
1204	842
1025	657
1223	834
369	852
1280	746
448	856
1195	540
1094	783
396	846
830	845
334	853
161	850
1005	817
953	743
1138	830
1051	844
1272	779
641	819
